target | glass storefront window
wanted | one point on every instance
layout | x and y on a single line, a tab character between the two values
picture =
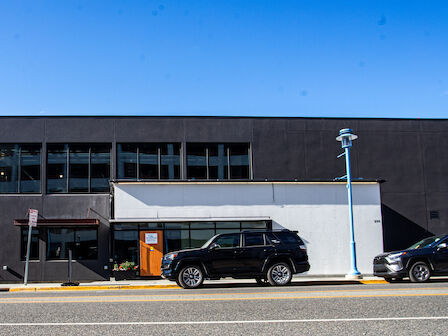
177	240
34	247
177	235
202	225
82	242
199	237
126	246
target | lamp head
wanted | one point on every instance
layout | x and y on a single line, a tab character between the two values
346	136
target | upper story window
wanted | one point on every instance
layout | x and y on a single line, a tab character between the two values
218	161
20	168
78	168
152	161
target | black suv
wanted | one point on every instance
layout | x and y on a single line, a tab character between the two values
423	259
268	256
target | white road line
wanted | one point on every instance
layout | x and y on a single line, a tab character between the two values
228	322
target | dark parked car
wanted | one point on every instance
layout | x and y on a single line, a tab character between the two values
423	259
267	256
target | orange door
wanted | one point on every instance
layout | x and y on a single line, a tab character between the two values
151	252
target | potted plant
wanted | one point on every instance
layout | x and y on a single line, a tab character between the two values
126	270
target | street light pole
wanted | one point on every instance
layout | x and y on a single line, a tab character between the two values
345	137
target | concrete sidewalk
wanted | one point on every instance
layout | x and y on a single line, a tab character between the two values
161	283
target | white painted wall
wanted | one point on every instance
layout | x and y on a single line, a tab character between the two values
318	211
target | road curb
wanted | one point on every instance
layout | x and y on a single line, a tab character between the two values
89	288
136	287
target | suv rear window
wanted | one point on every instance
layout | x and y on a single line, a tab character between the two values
253	239
288	238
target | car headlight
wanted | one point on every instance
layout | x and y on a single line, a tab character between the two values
170	256
394	257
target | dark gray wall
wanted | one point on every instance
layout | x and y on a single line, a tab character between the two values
410	155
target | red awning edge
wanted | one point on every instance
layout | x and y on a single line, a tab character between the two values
60	222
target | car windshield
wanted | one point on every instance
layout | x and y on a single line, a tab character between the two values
427	242
207	243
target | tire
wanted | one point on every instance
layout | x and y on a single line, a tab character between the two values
261	281
279	274
420	272
190	277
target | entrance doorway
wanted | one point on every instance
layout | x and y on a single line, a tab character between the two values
151	252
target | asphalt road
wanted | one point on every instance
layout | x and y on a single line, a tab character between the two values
397	309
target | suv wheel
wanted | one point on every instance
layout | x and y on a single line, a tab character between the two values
279	274
420	272
190	277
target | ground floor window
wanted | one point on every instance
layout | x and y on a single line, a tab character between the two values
82	241
34	247
176	236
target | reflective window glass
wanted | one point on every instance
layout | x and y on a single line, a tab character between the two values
211	161
30	160
57	168
34	247
202	225
196	161
86	244
239	161
169	161
126	246
149	161
127	161
199	237
59	241
218	162
254	225
99	168
79	168
177	240
82	242
9	160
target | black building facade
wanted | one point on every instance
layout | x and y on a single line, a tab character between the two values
62	167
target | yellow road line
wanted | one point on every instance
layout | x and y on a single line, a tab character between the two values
221	294
231	299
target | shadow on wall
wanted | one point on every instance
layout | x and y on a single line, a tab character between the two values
399	232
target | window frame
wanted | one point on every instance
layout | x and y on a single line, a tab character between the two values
19	146
67	153
159	160
227	148
74	254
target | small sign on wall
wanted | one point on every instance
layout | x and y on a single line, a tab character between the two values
151	238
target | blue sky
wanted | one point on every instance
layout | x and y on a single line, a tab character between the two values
225	58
